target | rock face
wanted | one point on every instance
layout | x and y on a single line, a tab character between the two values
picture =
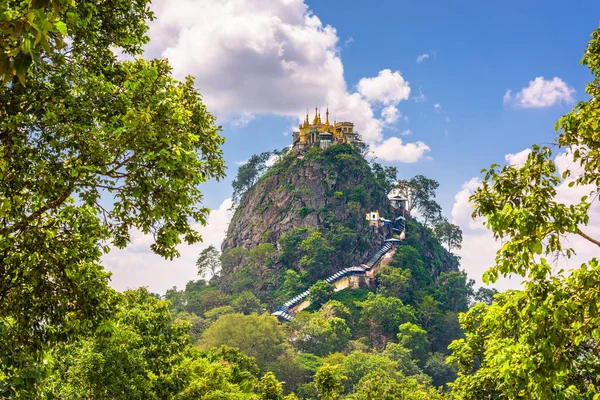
317	190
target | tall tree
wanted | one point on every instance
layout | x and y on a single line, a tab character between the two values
448	233
418	190
209	262
248	174
540	342
124	138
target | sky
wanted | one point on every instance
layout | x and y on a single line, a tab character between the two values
437	88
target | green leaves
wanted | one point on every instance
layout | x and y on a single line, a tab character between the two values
540	342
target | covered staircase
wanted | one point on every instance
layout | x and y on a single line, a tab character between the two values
285	311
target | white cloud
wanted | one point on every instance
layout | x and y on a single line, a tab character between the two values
507	97
387	87
422	57
420	98
479	247
541	93
240	163
518	159
137	265
405	132
394	150
437	107
267	57
390	114
242	120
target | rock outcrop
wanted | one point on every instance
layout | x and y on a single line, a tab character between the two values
317	189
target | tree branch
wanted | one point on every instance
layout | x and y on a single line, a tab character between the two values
583	235
52	204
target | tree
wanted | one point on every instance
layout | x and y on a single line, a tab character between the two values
394	282
449	234
131	356
269	388
247	303
124	138
485	295
233	259
414	338
316	259
418	190
28	31
540	342
320	293
440	372
384	314
431	211
319	335
289	244
259	336
208	262
248	174
328	382
385	177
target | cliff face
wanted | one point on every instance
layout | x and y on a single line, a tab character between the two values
318	189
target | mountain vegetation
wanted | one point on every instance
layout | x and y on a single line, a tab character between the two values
93	146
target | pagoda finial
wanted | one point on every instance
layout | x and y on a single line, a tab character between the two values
327	115
316	119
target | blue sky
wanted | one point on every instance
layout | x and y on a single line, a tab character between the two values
477	51
260	64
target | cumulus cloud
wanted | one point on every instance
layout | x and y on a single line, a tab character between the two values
422	57
392	149
479	247
518	159
137	265
405	132
390	114
267	57
541	93
387	87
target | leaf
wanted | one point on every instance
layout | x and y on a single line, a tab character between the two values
61	27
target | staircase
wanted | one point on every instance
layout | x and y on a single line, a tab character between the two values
285	313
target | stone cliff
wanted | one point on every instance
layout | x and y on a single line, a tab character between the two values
319	189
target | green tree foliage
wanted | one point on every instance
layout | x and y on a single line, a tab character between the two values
316	261
269	388
248	174
209	263
440	372
414	338
395	282
485	295
419	191
454	289
540	342
408	257
88	126
448	233
386	177
328	382
131	356
289	244
247	303
383	316
320	293
334	308
259	336
319	335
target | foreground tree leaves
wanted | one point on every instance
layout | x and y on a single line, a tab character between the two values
541	342
90	148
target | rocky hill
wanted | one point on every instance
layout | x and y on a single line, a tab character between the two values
323	190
